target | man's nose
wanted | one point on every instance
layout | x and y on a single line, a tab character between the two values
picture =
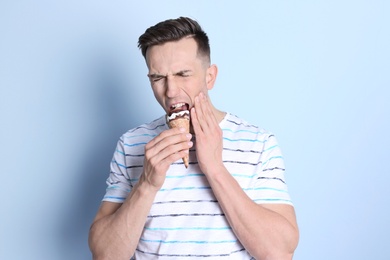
172	89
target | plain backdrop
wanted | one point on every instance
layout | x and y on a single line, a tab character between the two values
316	73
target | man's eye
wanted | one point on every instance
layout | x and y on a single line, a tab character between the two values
183	74
155	79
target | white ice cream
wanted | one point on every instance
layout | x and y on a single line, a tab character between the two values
181	113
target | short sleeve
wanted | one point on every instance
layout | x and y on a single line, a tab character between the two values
270	181
118	181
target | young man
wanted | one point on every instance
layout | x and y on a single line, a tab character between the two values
232	200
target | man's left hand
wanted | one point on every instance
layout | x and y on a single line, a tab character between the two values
208	134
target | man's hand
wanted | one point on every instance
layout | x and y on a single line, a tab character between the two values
208	134
161	152
117	228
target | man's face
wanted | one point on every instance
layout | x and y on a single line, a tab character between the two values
177	74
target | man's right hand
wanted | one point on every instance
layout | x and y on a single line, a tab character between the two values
166	148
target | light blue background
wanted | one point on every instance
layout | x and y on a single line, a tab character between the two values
316	73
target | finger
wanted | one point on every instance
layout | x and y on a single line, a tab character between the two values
206	116
167	146
200	113
209	117
163	135
179	152
176	152
194	120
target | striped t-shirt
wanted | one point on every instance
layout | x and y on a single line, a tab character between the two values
186	221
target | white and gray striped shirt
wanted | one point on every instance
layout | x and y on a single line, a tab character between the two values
186	221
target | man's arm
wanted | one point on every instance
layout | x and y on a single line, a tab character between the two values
117	227
267	231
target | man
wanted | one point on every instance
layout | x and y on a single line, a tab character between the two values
230	203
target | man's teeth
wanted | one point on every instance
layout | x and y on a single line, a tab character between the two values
178	105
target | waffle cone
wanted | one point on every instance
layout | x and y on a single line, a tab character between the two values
184	123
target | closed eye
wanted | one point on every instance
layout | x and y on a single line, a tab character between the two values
155	77
183	73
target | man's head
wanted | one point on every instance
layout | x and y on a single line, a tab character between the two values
177	54
174	30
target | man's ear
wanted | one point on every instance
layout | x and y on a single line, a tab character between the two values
211	76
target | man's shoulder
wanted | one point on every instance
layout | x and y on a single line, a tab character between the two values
236	124
151	128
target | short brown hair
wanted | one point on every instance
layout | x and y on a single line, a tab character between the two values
174	30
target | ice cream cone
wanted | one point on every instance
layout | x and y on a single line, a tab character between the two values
184	123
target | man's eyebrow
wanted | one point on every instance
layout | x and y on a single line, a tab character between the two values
182	72
155	75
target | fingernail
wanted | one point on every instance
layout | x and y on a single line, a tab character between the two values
189	136
182	129
189	144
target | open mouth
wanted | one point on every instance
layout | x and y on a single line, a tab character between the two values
178	108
